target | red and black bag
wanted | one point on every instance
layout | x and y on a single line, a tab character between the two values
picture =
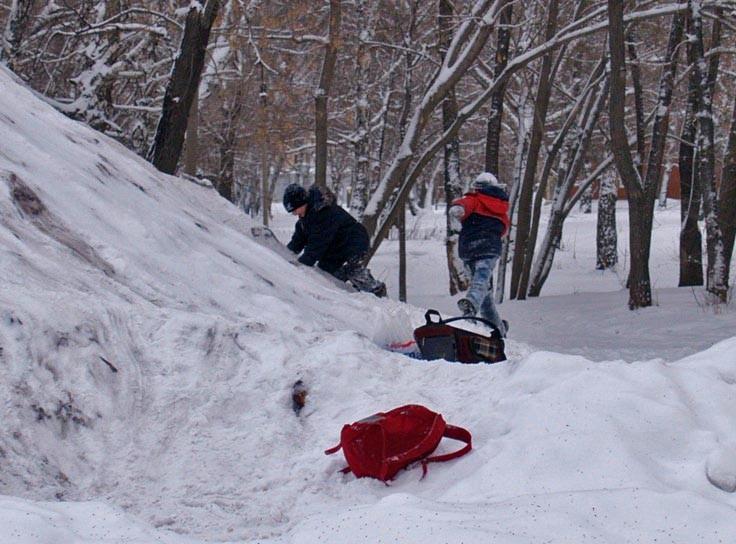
384	443
438	340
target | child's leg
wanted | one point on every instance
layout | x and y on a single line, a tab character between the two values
361	278
480	277
488	306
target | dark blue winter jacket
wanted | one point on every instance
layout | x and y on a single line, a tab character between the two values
328	234
484	223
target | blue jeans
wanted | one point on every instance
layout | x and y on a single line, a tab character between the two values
480	291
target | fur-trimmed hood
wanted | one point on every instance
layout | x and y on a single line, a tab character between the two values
319	197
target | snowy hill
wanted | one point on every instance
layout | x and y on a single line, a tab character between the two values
148	353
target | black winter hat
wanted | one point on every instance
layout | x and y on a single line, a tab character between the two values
294	196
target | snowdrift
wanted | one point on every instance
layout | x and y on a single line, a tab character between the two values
149	348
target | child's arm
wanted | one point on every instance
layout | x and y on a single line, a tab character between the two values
454	217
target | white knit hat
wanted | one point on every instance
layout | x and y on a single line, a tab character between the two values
486	179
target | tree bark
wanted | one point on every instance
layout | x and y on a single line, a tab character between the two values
633	66
727	195
451	158
264	151
493	130
660	126
359	194
524	123
691	252
182	87
716	273
640	211
523	222
15	27
322	95
191	140
228	137
606	235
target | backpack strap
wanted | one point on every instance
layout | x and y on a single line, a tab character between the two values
456	433
333	449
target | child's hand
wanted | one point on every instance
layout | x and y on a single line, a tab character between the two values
453	219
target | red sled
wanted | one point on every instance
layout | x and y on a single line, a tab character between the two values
381	445
438	340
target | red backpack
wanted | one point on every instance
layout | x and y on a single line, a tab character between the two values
384	443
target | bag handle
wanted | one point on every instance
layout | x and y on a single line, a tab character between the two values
428	316
495	332
456	433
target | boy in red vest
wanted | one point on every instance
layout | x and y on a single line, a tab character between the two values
483	220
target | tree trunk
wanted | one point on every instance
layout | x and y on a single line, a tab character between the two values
606	235
182	87
586	201
322	94
401	225
664	186
691	252
525	113
523	222
191	141
727	195
640	212
359	195
633	66
452	182
15	27
716	273
264	147
493	131
228	137
660	126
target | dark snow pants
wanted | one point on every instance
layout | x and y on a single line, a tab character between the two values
360	277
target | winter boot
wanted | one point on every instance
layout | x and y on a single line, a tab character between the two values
380	290
466	307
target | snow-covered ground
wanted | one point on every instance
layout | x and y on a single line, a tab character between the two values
149	346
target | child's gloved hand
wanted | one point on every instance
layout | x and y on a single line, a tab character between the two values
454	215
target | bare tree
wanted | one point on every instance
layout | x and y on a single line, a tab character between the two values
727	195
716	283
523	222
691	252
366	18
493	129
323	92
640	210
453	183
182	88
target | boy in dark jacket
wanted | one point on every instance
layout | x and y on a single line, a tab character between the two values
483	220
330	237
